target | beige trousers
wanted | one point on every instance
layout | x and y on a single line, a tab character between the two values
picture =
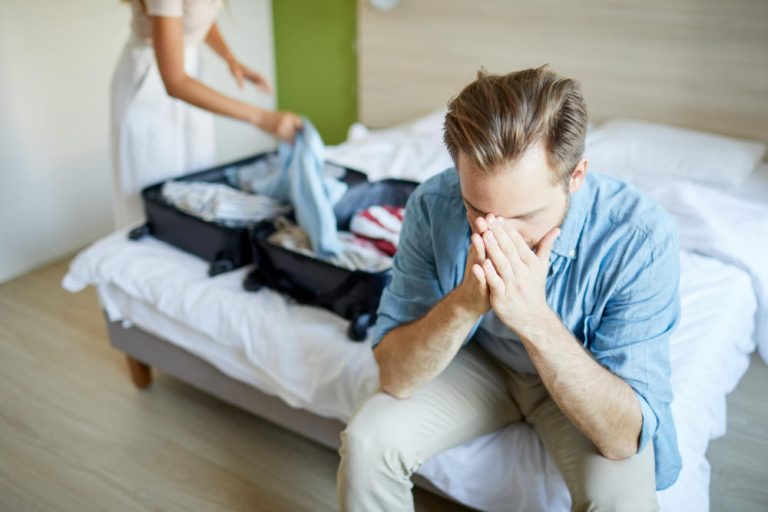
388	439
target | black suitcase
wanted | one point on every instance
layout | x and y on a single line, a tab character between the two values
225	247
354	295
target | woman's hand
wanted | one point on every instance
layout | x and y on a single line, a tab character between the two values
243	73
282	125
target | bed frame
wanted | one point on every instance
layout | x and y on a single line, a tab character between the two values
145	351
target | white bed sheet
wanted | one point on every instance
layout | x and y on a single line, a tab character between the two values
301	355
755	188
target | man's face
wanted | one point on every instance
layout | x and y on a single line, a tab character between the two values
522	193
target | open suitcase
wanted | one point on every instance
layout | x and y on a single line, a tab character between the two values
354	295
225	247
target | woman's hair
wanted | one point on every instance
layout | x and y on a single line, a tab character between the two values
496	118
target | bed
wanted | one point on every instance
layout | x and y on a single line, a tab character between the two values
294	365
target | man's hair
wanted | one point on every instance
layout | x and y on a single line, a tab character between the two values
496	118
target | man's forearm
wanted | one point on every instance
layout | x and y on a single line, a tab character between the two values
600	404
413	354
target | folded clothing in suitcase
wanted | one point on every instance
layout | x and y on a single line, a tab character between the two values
352	294
223	242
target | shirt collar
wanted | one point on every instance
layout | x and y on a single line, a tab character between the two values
580	205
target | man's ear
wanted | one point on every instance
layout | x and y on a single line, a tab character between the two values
579	173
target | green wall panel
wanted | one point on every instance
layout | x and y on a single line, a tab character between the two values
316	63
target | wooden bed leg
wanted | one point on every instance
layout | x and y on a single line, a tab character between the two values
141	374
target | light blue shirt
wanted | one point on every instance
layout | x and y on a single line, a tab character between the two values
300	181
613	281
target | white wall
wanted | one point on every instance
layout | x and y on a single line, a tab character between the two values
56	62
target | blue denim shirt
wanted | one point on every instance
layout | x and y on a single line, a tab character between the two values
613	281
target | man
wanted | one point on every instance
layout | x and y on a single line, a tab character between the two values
524	290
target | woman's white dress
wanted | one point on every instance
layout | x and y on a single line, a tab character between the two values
154	136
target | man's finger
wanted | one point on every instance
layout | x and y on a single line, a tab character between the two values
495	283
477	243
497	257
507	245
481	225
477	271
545	246
523	251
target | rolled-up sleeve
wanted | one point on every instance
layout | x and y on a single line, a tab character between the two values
414	287
632	338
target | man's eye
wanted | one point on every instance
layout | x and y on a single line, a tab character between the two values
528	216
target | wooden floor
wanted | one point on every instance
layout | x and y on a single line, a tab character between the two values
76	435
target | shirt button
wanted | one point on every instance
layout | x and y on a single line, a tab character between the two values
572	253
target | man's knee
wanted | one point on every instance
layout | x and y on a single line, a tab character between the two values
376	441
610	495
359	440
615	501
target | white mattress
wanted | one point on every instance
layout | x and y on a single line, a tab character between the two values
302	355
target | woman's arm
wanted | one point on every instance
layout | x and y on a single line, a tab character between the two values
168	41
215	40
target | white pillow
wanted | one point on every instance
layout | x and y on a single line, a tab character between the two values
412	150
626	146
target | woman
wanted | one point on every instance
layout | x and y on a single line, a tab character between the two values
161	113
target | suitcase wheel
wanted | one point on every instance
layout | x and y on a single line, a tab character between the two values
252	283
358	327
220	266
139	232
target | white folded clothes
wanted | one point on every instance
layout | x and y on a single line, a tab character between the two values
216	202
355	254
